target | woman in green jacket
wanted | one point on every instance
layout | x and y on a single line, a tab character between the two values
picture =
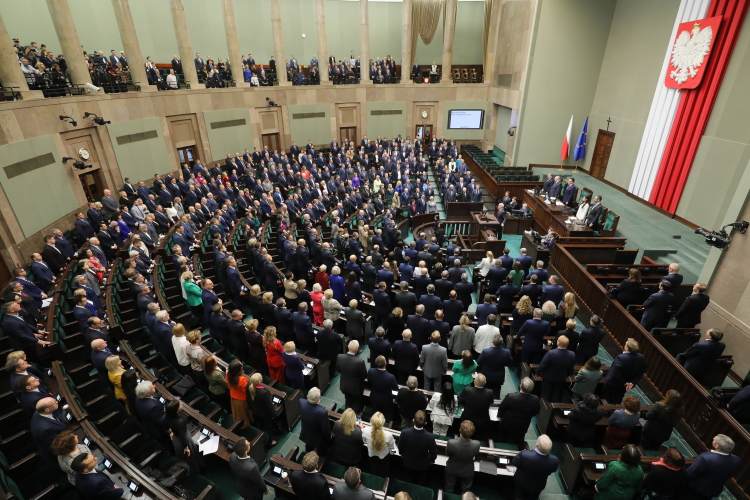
193	292
517	274
623	478
462	372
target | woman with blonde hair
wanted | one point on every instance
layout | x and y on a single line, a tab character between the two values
317	297
290	292
347	439
238	382
255	301
331	307
463	372
255	345
486	264
521	313
568	307
113	364
180	345
268	310
293	367
274	359
379	444
395	325
196	355
337	283
321	278
549	311
261	405
303	295
462	337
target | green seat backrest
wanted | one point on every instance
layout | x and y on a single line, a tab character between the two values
371	481
414	491
610	221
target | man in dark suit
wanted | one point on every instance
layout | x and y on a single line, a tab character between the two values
30	392
453	309
548	183
43	272
443	286
533	467
99	354
674	277
689	314
83	227
461	453
53	255
406	300
515	413
710	471
502	217
308	482
249	483
20	368
701	356
569	193
430	302
209	298
23	337
588	341
655	313
382	386
143	299
476	400
316	428
176	65
45	425
353	373
533	290
410	400
464	289
534	331
329	346
303	329
525	261
151	413
492	362
92	484
554	369
419	326
418	450
595	213
369	275
626	371
496	276
382	305
553	292
405	357
379	346
554	191
485	310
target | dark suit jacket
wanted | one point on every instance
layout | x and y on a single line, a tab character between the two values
627	367
329	345
483	311
353	373
431	304
496	277
405	357
515	412
739	406
20	333
708	473
378	347
690	311
382	303
310	485
655	309
594	215
417	448
701	356
461	453
303	328
675	279
534	330
533	291
382	384
316	428
556	365
407	301
97	486
532	470
29	399
464	290
476	404
250	484
588	342
452	310
151	414
419	326
492	362
43	431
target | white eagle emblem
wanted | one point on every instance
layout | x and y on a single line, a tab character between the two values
688	53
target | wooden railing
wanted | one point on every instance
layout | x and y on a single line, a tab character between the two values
703	419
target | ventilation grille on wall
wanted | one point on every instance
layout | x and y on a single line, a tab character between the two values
141	136
377	112
228	123
23	167
299	116
505	79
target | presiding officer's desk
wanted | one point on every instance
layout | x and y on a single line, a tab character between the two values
553	216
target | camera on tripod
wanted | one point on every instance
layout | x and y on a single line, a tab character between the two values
720	239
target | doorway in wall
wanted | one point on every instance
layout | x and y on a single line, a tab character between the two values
4	271
187	155
347	134
272	141
93	187
424	132
602	150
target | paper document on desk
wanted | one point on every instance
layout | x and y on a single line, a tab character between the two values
307	371
559	203
209	446
493	413
547	202
46	302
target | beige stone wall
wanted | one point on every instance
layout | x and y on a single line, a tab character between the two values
181	113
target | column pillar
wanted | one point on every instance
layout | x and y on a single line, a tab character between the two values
184	47
449	29
278	44
364	42
233	44
320	29
406	55
11	74
69	42
130	44
489	58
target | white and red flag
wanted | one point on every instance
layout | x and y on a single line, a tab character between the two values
566	142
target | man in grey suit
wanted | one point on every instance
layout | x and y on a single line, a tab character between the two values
109	205
461	453
353	374
355	322
250	484
351	487
434	363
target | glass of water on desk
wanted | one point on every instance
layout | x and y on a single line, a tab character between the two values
285	478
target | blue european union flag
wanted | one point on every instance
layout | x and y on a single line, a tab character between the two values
580	151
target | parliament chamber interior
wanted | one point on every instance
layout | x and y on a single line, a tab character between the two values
374	249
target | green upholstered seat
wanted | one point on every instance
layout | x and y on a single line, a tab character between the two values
414	491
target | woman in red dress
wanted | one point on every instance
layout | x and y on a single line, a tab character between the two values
321	278
317	297
276	365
